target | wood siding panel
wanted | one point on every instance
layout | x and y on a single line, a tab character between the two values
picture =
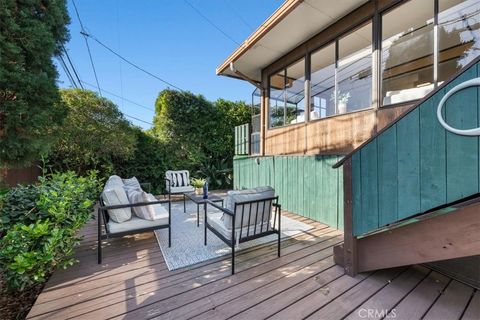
433	183
408	156
307	185
357	193
369	170
387	176
462	152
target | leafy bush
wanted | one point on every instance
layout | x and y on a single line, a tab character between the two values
43	234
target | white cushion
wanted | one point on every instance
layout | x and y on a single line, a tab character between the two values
257	215
150	212
182	189
135	224
215	220
113	181
131	183
113	196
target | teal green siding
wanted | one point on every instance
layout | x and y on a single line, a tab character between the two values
415	165
306	185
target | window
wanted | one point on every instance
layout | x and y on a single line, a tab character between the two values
458	35
277	99
287	95
407	52
322	83
354	71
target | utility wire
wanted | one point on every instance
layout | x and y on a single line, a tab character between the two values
67	72
72	66
239	16
85	35
211	22
118	96
132	64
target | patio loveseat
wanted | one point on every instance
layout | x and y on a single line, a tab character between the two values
247	215
126	209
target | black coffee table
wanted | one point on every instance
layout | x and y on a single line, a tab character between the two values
198	199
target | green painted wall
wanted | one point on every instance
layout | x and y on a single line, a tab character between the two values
306	185
416	165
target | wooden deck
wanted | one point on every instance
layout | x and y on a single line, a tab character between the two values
134	283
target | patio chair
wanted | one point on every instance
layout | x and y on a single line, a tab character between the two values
115	212
178	182
247	216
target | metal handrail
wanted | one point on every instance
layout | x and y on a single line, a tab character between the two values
465	132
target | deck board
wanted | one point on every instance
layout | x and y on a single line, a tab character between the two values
134	283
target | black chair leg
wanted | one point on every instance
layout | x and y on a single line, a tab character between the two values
99	240
233	257
205	225
169	235
278	244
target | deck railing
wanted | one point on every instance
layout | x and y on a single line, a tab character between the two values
242	139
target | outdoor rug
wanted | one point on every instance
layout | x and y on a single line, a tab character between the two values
187	239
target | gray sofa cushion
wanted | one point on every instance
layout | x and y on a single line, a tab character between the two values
115	195
136	224
151	212
256	214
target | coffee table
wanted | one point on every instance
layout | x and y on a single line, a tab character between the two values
198	200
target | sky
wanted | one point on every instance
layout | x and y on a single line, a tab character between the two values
167	38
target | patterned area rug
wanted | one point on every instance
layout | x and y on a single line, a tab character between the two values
187	239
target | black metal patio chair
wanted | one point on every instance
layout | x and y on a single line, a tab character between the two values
247	221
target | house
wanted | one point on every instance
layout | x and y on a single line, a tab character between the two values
345	126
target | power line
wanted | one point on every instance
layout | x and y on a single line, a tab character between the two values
85	35
239	16
118	96
211	22
67	72
131	63
72	66
129	116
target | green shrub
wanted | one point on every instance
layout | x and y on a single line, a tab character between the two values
44	232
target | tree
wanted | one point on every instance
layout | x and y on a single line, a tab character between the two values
93	135
200	132
31	33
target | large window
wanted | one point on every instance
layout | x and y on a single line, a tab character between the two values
322	83
407	52
422	43
287	95
346	85
354	71
458	35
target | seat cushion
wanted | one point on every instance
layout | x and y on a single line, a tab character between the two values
182	189
150	212
252	214
215	220
115	195
136	224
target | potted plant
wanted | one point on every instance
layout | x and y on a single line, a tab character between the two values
342	100
198	185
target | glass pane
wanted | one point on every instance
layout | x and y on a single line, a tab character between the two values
295	92
354	73
458	35
277	99
407	52
322	83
